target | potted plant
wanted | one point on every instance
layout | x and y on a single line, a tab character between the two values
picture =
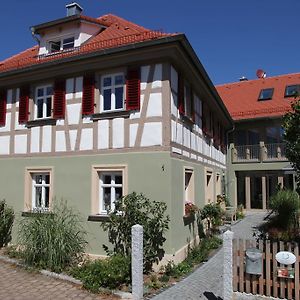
190	208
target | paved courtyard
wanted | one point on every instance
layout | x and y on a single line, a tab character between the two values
18	284
206	281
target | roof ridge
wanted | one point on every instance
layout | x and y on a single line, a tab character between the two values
256	79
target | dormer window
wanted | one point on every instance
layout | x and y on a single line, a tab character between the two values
266	94
292	90
61	44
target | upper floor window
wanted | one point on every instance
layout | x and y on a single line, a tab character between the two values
43	101
292	90
61	44
266	94
188	102
112	92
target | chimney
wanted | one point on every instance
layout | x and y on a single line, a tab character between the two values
73	9
243	78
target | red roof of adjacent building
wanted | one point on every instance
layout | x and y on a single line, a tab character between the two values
118	32
241	98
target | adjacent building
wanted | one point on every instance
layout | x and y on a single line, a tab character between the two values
256	161
101	107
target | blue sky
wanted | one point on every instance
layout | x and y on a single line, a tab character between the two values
232	38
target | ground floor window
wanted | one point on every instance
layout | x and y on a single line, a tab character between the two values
189	189
209	186
111	189
109	183
38	189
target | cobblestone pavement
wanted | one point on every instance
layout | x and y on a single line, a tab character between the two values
206	282
19	284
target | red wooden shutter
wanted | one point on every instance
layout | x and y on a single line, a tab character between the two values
88	95
24	104
181	95
2	107
59	99
133	89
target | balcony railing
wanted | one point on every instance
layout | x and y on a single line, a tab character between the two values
275	151
247	152
258	153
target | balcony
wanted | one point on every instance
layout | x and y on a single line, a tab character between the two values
258	153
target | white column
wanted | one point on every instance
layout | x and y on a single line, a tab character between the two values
137	261
227	264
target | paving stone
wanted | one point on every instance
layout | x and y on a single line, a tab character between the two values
18	284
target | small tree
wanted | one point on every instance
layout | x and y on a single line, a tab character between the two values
137	209
6	222
291	125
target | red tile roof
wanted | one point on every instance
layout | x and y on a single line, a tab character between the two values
118	32
241	98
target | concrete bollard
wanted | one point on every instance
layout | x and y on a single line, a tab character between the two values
137	261
227	271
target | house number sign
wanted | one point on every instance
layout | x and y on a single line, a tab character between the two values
285	257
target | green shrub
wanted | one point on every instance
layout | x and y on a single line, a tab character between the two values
286	205
52	240
137	209
6	222
108	273
213	213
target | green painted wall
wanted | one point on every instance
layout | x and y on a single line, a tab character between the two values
182	234
147	172
156	174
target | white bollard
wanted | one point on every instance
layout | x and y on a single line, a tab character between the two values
137	261
227	271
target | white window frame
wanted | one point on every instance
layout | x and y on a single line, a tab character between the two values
44	99
96	188
113	88
29	188
43	185
112	185
62	44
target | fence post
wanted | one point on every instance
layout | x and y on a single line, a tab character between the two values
227	271
137	261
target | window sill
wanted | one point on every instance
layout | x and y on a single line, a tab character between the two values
35	213
41	122
98	218
111	115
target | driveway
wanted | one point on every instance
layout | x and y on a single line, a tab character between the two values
206	282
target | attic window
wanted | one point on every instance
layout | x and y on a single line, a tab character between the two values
266	94
61	44
292	90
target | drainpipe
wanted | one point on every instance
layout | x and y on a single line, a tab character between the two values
232	201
